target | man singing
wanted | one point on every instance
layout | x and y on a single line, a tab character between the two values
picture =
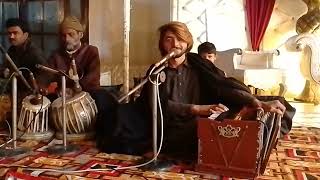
190	90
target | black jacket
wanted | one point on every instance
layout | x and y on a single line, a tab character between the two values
215	88
128	127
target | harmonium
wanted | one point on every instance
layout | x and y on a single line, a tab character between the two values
238	144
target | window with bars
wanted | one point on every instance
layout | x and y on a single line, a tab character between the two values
43	17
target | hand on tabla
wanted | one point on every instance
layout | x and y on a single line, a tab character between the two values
69	93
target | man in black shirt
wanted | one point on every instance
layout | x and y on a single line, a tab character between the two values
22	51
192	90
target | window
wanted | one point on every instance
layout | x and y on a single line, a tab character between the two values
43	17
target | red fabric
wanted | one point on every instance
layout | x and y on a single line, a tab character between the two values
258	17
52	88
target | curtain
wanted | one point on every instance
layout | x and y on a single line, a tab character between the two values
258	17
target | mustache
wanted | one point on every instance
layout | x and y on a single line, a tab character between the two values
180	53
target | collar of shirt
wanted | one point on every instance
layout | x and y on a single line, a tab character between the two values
185	64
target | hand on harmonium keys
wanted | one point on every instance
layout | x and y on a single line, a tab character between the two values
207	110
274	106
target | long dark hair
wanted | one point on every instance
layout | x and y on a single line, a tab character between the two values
180	30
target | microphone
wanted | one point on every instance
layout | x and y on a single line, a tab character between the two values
170	55
34	83
45	68
37	99
75	76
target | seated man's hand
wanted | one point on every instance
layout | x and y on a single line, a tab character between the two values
43	91
207	110
69	93
271	106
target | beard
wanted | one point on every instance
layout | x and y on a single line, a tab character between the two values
71	45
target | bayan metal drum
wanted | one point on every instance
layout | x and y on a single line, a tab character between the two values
33	120
81	113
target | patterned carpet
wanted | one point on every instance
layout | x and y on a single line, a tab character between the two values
297	157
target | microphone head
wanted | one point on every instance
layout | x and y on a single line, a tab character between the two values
174	53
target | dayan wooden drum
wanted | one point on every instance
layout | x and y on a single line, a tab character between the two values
81	112
33	119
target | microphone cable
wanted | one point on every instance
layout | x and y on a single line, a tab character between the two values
25	131
40	170
33	119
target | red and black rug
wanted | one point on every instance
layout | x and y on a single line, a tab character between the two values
297	157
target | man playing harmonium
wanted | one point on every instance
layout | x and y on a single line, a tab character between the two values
191	89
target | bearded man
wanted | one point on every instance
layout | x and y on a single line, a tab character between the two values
86	56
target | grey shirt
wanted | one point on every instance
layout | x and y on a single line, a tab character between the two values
182	87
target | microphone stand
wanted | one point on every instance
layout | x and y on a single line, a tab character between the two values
38	105
15	151
143	82
64	148
61	148
160	65
156	165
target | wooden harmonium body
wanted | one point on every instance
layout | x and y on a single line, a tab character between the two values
237	144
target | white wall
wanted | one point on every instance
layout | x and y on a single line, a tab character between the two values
105	26
221	22
224	25
106	32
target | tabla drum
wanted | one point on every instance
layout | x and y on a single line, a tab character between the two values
81	112
33	119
